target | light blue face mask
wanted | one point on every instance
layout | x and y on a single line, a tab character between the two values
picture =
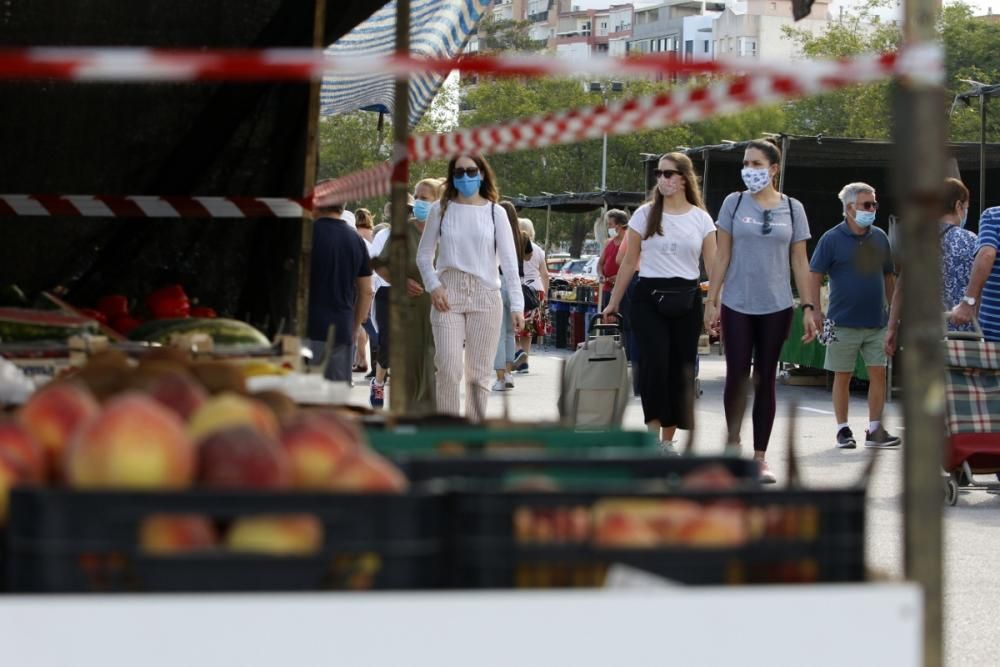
421	209
864	219
965	217
466	186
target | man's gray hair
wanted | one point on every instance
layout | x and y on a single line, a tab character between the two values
849	193
617	214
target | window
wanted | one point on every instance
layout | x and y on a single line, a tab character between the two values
705	47
689	47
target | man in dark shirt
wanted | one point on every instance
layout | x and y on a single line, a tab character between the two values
856	256
340	291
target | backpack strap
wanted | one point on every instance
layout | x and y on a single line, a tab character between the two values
732	219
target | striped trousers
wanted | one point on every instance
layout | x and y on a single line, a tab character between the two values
470	330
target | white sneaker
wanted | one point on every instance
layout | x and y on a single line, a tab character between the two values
669	448
499	385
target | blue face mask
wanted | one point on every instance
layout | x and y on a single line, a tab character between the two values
467	187
421	209
965	217
865	219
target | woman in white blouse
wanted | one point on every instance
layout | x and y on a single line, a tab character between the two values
472	238
670	233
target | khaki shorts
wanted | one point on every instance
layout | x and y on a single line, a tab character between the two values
842	354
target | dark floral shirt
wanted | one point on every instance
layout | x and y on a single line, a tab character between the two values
958	251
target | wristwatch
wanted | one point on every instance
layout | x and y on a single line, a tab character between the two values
969	300
807	305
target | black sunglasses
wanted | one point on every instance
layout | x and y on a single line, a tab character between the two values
665	173
868	206
765	229
462	172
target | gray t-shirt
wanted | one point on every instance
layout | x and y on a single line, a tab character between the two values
759	277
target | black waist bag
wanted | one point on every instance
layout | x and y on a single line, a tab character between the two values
675	301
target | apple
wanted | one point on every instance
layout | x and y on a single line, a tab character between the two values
278	535
134	443
242	457
316	451
52	416
176	534
228	409
18	445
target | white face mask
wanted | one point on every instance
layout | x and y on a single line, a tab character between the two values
756	179
612	232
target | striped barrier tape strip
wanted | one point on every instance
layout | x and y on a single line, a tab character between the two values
681	105
105	206
144	64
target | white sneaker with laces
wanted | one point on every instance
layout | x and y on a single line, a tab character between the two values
669	448
499	385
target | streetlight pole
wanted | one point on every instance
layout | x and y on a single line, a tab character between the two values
604	88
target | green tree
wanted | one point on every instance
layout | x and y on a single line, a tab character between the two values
972	52
506	35
856	111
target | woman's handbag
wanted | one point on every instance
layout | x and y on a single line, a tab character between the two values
674	302
531	300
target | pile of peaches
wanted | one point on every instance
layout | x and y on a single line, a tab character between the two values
167	423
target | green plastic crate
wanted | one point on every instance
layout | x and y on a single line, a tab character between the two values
414	440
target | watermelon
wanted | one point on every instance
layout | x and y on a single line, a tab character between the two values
25	325
222	331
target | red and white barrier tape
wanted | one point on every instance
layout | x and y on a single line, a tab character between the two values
130	64
682	105
90	206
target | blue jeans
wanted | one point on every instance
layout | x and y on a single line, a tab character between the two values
507	345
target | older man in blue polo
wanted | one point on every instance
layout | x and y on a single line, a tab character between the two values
856	256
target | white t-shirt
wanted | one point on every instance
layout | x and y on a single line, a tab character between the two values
474	239
675	253
374	250
533	268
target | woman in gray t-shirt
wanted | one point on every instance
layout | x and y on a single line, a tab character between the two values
762	241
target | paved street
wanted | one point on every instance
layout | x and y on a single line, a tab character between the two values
972	530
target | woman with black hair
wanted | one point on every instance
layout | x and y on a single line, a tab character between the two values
670	234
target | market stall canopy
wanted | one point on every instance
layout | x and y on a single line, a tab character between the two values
438	28
207	139
581	202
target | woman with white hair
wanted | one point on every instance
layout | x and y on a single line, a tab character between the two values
536	277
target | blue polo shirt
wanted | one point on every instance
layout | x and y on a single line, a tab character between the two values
989	308
339	258
857	265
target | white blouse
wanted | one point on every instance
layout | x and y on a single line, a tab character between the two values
472	238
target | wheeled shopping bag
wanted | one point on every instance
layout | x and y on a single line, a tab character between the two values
595	385
972	371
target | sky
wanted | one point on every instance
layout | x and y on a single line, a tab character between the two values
981	6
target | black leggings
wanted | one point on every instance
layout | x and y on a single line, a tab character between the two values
756	337
668	347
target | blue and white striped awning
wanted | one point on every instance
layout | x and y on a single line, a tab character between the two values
437	28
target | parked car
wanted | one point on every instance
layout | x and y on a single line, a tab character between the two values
556	261
574	268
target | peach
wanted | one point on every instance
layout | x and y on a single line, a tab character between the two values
134	443
176	533
52	416
228	409
179	392
279	535
242	457
369	473
315	451
17	444
11	474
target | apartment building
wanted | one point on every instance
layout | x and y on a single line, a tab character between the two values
753	29
683	27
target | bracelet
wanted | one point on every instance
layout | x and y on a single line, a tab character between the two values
807	305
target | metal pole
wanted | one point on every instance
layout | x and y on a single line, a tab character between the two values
919	183
604	150
402	375
704	175
784	159
548	224
301	314
982	151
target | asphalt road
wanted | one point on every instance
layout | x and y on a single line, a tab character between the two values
972	529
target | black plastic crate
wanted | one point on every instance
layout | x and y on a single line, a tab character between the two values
599	467
528	540
64	541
